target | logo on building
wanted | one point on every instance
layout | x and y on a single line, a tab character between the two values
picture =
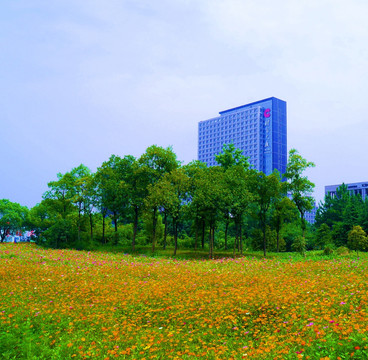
267	113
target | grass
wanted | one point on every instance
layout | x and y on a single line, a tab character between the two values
62	304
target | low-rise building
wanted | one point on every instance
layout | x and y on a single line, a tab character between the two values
358	188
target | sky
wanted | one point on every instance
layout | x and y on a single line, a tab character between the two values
81	80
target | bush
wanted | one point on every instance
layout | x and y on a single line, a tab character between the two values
185	242
299	245
342	250
328	250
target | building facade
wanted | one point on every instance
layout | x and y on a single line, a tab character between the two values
259	129
359	188
310	216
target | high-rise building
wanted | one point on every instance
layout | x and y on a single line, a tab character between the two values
258	129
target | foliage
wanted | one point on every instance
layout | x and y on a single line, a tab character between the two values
357	239
340	214
299	186
299	245
13	217
196	206
328	250
342	250
230	156
323	236
267	190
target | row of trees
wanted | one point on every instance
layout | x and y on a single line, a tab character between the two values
156	199
337	216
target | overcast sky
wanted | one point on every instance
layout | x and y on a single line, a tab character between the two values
83	79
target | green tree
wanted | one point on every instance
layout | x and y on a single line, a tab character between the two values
231	156
237	198
299	245
193	209
266	189
61	194
284	211
299	186
323	236
41	217
113	190
137	180
80	177
12	217
357	239
237	195
156	161
209	199
172	191
341	212
90	197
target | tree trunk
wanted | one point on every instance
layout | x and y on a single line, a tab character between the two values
226	229
264	241
210	254
135	226
116	228
303	223
203	232
277	237
241	238
103	228
154	222
236	237
196	234
79	227
212	241
165	231
91	225
175	223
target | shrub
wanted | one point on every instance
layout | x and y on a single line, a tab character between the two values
357	239
328	250
342	250
299	245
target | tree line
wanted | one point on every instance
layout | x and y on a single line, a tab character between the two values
155	200
342	221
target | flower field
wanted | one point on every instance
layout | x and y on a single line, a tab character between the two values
64	304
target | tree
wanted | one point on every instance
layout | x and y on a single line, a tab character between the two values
114	192
157	161
171	194
137	181
283	212
231	156
80	176
61	193
340	213
299	186
195	170
267	188
209	199
323	236
12	217
90	196
41	217
237	196
357	239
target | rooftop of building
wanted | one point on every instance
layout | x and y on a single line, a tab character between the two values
348	184
250	104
